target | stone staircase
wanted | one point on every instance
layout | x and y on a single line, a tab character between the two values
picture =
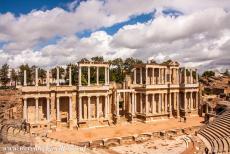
216	135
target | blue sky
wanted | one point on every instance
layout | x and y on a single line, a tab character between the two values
55	32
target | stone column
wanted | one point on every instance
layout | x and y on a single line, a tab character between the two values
191	100
197	77
132	105
135	103
80	108
118	95
48	109
25	80
153	82
25	110
105	75
141	80
79	75
166	102
166	81
36	76
191	77
134	76
70	76
47	78
36	110
185	104
70	107
159	103
57	76
178	104
146	76
170	106
88	76
97	104
89	109
108	76
153	104
106	106
58	110
197	100
97	68
146	104
185	76
141	103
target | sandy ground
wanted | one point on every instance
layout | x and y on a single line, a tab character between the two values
160	146
88	134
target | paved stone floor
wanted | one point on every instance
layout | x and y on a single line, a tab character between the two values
88	134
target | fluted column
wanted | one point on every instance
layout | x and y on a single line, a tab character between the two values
36	76
80	108
70	107
48	109
153	104
178	104
57	76
47	78
106	106
89	109
141	79
58	109
146	104
134	76
88	76
25	109
36	110
70	76
79	75
170	106
25	80
97	103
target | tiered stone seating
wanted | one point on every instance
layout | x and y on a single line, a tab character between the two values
217	134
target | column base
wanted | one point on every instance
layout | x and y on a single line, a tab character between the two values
71	124
58	123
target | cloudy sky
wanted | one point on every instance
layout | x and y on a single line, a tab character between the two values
55	32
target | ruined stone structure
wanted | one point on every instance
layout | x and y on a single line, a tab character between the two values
153	91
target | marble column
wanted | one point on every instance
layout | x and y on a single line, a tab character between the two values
185	104
146	104
48	109
141	79
153	82
97	103
166	103
70	107
132	103
118	96
88	76
153	104
58	109
70	76
89	108
141	103
159	103
57	76
47	78
36	76
105	106
36	110
25	78
185	74
79	75
166	81
97	69
191	77
80	108
134	76
146	76
191	98
170	105
135	102
25	109
178	104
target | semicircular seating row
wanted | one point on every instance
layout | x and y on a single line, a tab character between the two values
216	135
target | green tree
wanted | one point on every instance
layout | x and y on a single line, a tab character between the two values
28	74
41	73
208	74
4	71
14	76
129	63
98	59
117	70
